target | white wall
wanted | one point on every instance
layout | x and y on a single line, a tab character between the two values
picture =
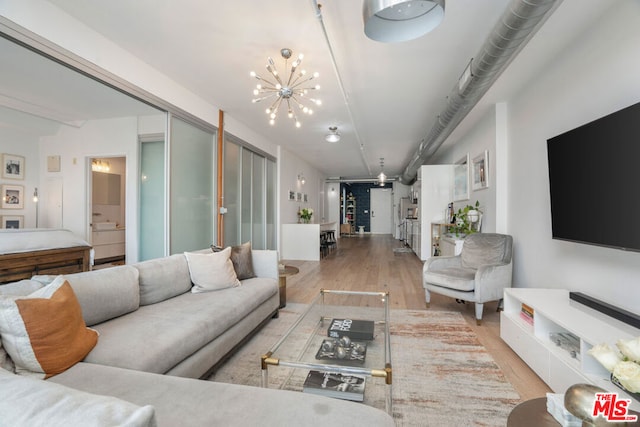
595	76
289	167
482	137
75	146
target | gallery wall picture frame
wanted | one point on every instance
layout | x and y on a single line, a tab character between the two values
13	221
461	179
298	197
12	196
480	171
12	166
292	196
305	198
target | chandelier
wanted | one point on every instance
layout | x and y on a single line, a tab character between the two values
291	89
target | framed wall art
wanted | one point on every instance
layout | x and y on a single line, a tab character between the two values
480	171
298	197
461	179
12	221
292	195
12	196
12	166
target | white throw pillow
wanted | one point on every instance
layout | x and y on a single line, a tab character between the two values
32	402
211	272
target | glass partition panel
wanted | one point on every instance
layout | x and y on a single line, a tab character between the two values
152	200
191	187
249	196
258	208
271	205
231	193
246	209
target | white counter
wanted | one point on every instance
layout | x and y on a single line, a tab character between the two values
302	241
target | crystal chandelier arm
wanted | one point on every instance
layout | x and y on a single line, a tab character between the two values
297	83
262	98
301	105
268	87
294	66
271	67
290	112
274	107
271	85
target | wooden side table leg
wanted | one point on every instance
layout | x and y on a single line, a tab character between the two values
282	283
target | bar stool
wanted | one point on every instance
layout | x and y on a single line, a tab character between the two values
324	245
331	239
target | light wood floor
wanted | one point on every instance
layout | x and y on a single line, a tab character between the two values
368	263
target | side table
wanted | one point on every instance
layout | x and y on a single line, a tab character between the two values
288	270
532	413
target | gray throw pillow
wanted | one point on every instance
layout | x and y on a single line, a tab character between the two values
241	259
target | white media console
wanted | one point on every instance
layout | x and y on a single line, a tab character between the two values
554	312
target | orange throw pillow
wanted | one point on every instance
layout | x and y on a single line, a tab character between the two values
44	333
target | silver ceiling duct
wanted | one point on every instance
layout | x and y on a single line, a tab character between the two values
514	29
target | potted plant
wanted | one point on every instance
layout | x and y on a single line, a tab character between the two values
305	215
466	218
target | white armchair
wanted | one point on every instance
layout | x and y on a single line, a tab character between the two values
479	274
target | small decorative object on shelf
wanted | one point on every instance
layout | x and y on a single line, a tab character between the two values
624	365
354	329
567	341
342	350
305	215
341	386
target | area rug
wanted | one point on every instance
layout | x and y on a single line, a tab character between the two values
442	375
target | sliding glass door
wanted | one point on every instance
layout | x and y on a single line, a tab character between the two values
191	208
152	198
249	195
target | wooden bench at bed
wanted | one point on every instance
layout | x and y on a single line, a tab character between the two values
24	265
28	252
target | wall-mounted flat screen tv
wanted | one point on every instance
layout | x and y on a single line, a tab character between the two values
594	179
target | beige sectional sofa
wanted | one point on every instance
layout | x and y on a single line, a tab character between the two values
153	330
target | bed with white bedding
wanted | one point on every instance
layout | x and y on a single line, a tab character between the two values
27	252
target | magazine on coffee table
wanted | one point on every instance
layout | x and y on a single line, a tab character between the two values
352	328
340	386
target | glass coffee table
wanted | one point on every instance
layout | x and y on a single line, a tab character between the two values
307	345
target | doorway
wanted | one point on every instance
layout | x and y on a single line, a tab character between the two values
381	209
108	209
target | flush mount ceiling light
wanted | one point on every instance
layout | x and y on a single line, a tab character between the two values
333	135
382	178
398	21
291	89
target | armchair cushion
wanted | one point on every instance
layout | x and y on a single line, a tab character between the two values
459	278
482	249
